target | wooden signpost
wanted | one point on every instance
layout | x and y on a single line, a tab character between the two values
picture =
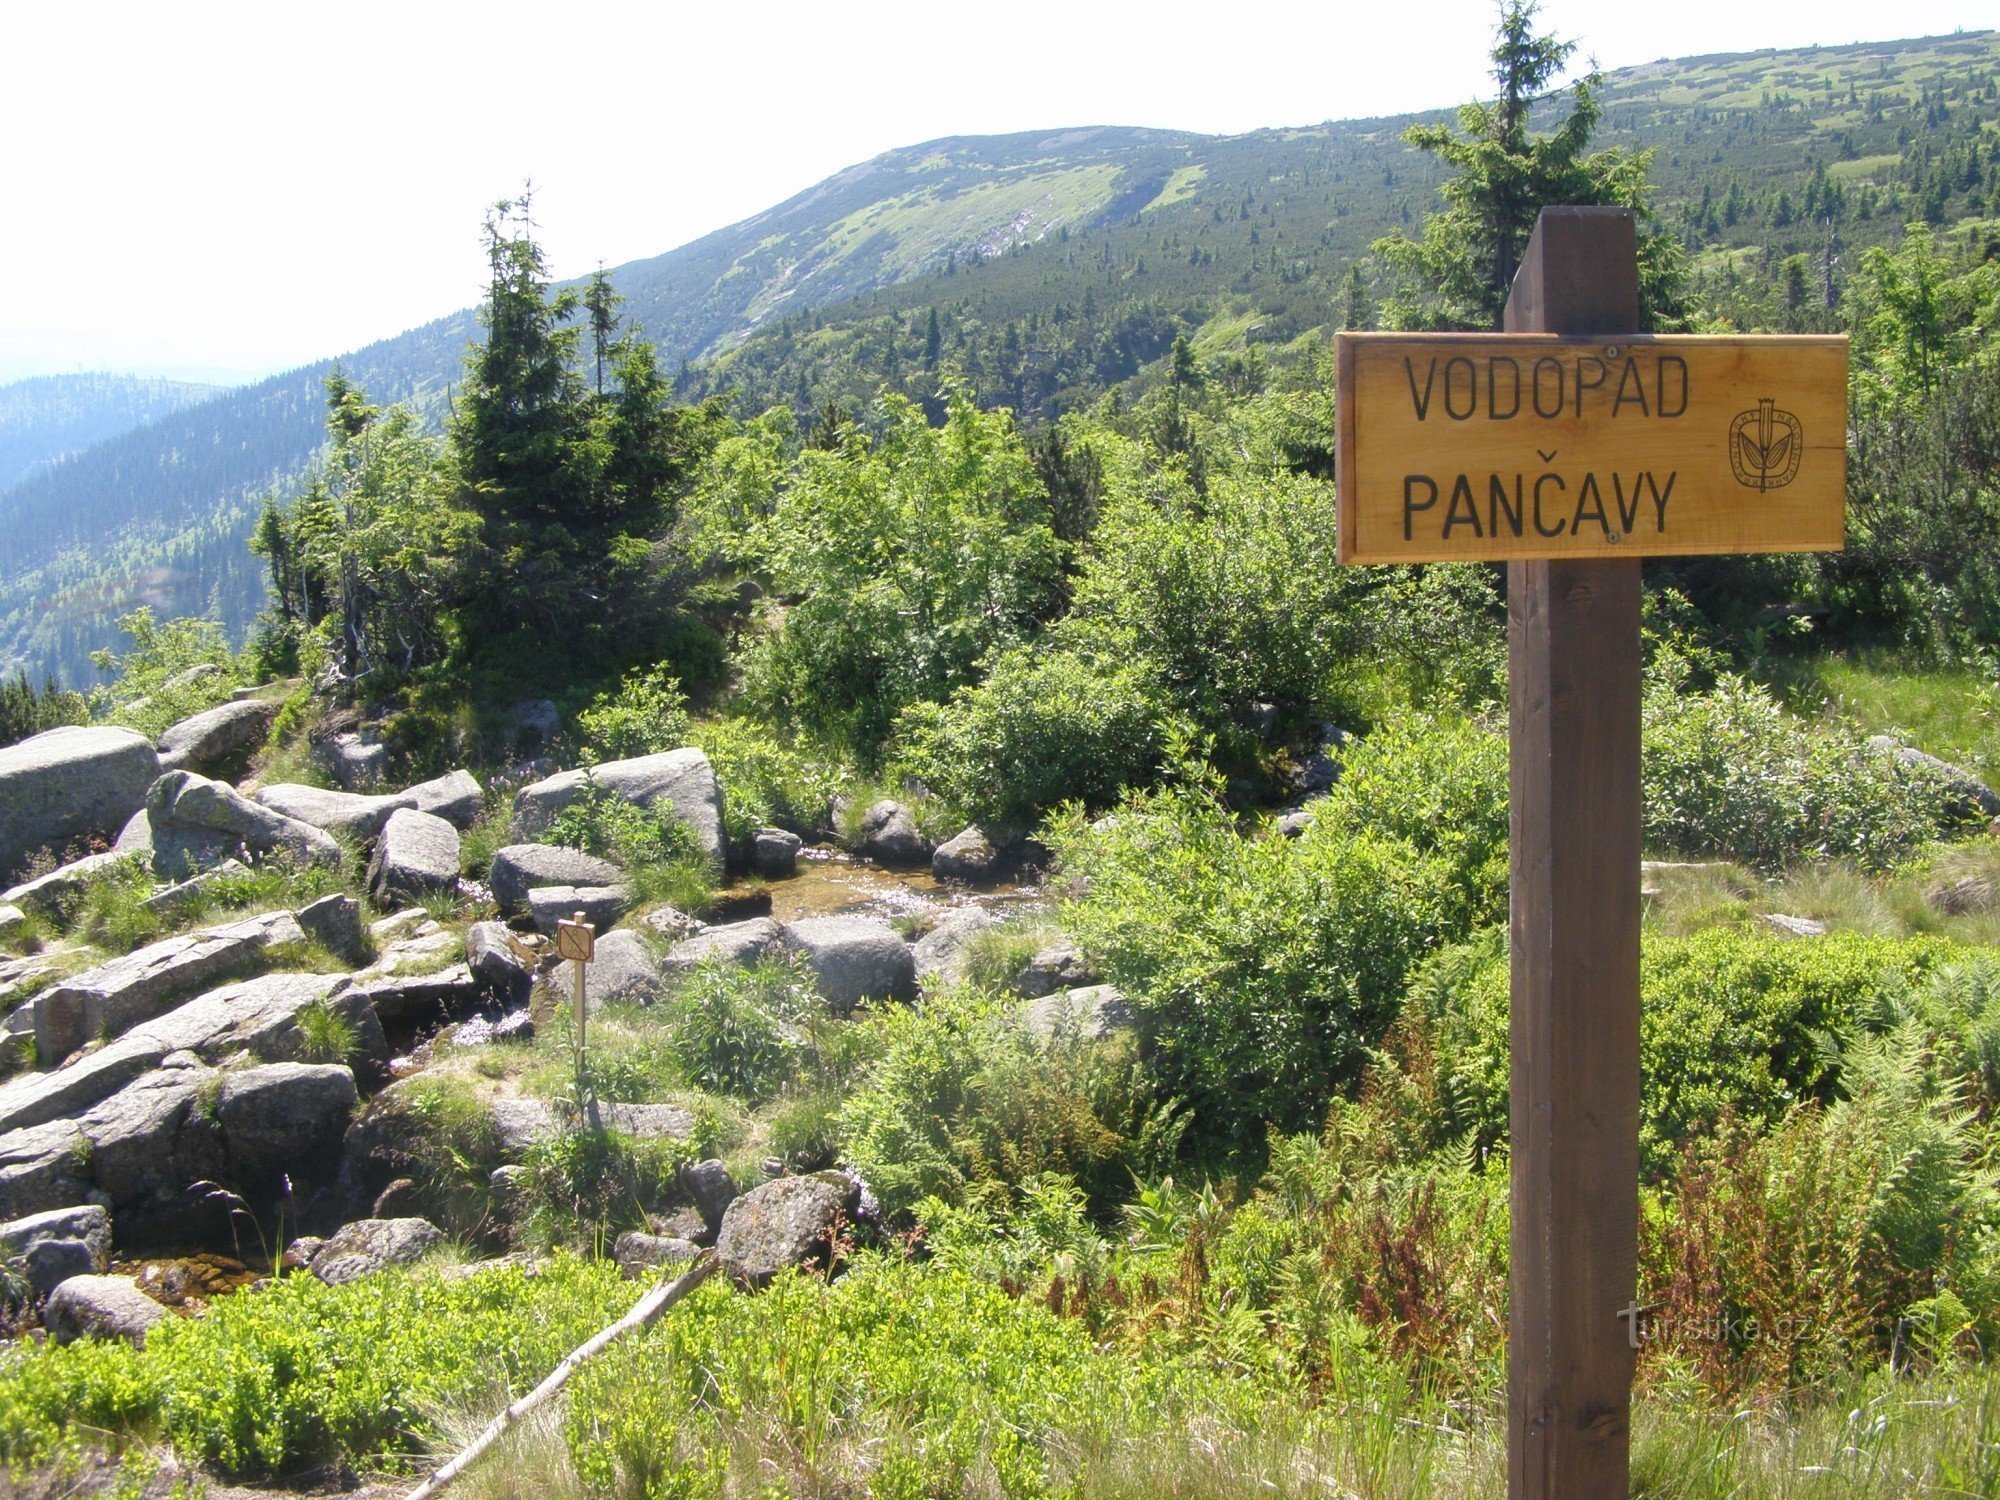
1570	447
576	940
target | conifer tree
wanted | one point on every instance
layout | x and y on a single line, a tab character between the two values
1504	173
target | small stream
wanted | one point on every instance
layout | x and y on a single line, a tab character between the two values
832	883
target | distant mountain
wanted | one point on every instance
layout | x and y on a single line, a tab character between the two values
51	417
1058	264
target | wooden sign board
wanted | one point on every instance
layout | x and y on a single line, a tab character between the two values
1488	447
576	941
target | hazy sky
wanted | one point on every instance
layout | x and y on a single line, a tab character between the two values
209	187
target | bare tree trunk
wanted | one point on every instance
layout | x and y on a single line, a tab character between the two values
645	1312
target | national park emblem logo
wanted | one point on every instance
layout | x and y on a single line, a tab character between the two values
1764	447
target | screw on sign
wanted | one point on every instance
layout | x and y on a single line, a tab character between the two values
1570	446
576	940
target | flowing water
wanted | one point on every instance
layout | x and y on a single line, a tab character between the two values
831	883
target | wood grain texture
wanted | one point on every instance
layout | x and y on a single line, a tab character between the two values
1574	665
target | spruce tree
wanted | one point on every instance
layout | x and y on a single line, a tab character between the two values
1504	173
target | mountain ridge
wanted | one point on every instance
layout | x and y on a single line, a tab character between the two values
1061	261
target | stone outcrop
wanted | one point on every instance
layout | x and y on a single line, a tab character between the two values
370	1245
334	922
51	892
774	853
519	868
940	953
971	858
855	959
113	998
455	796
1059	966
70	782
1095	1012
624	969
739	943
678	781
439	995
890	836
219	741
197	823
790	1222
601	905
354	761
100	1307
254	1016
498	966
416	856
349	814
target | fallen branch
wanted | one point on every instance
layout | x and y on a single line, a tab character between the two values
645	1312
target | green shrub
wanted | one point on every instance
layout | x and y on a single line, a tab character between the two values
1264	969
738	1031
325	1035
1044	727
963	1096
147	691
768	779
1439	785
584	1184
1728	773
647	714
663	858
1734	1023
300	1374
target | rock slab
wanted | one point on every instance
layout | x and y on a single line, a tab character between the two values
66	783
519	868
679	781
370	1245
790	1222
855	959
100	1307
416	856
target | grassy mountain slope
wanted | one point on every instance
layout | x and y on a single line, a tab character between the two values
1059	264
49	417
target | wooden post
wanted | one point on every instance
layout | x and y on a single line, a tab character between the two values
1573	663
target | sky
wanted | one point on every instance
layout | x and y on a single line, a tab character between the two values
221	190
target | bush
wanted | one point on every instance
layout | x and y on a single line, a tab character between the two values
1264	969
738	1031
663	858
1727	773
963	1096
646	715
299	1374
1439	785
1045	727
1734	1024
769	780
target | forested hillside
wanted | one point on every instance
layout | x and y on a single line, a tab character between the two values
53	416
1048	268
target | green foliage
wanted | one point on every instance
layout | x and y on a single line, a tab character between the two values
1264	968
647	714
1044	727
584	1183
738	1031
1728	773
171	669
325	1035
300	1374
1439	785
910	558
25	711
663	857
965	1099
769	778
1503	176
1735	1025
370	561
